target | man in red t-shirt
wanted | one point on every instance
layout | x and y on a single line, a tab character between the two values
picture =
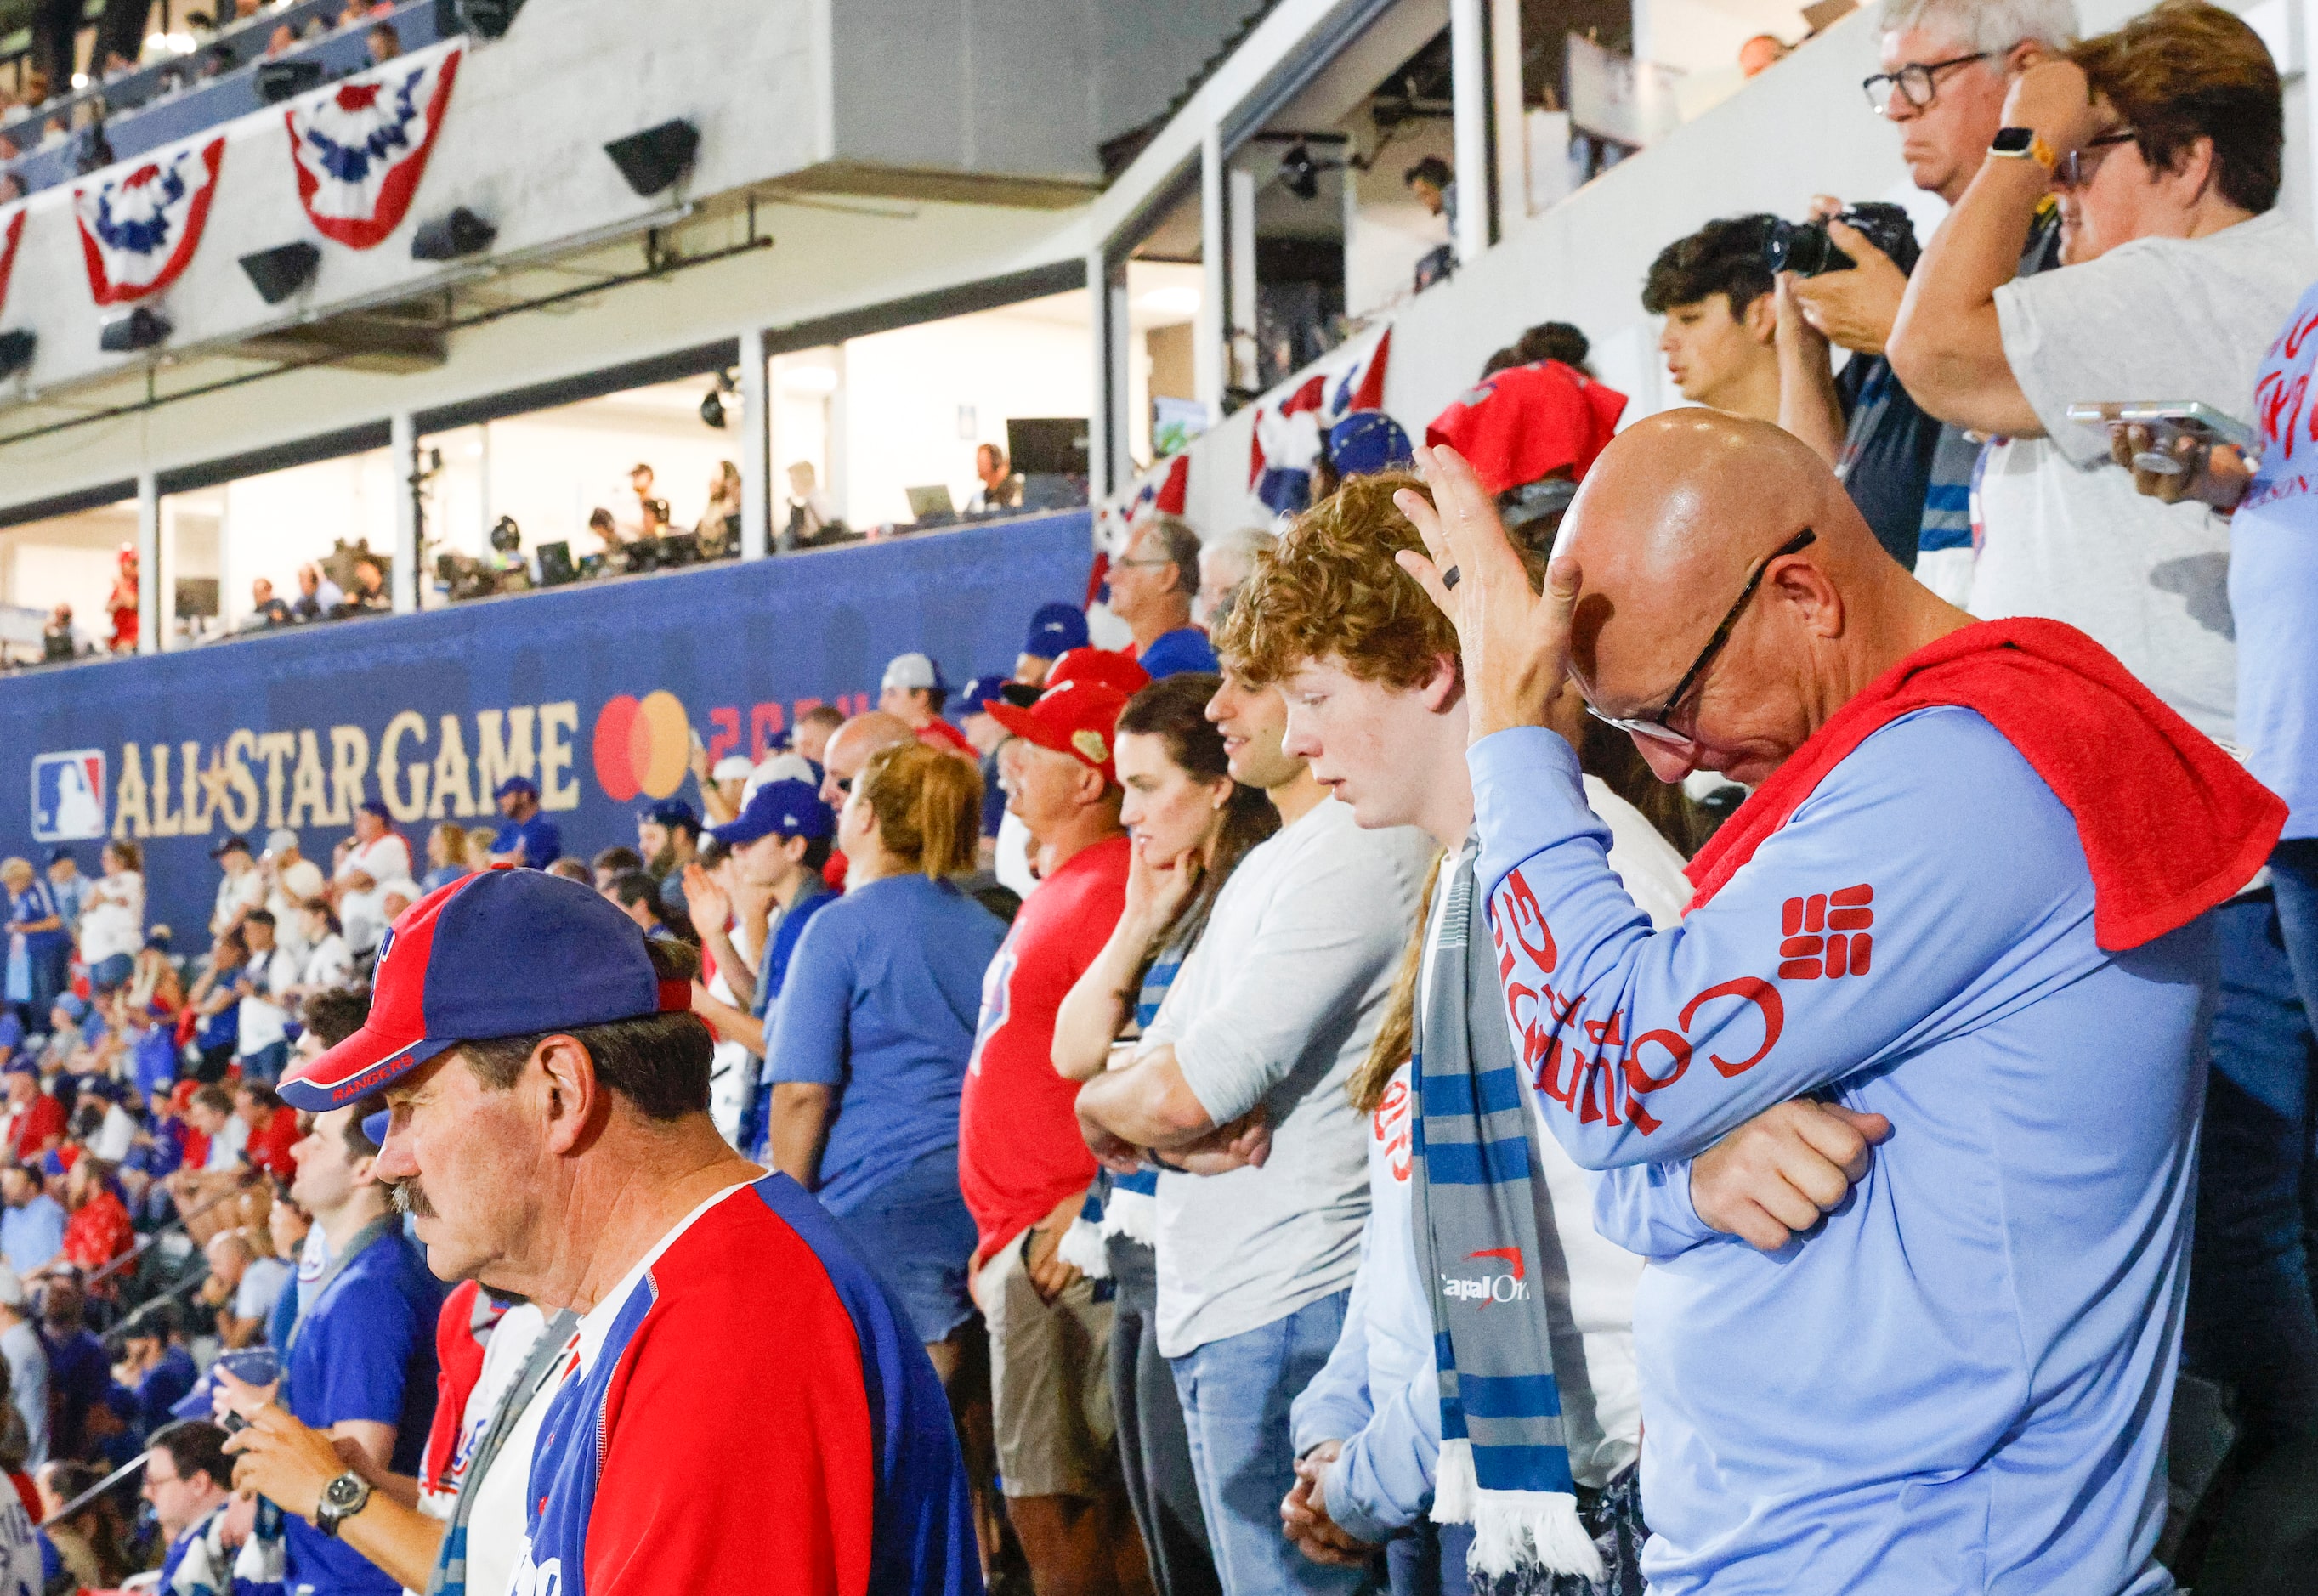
34	1121
1025	1169
272	1128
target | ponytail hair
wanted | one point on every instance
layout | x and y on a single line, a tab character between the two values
929	807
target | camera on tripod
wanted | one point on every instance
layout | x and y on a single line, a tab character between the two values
1804	248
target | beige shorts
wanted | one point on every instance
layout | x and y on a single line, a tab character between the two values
1049	1376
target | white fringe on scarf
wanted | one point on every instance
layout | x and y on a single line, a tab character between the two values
1134	1215
1082	1245
1513	1528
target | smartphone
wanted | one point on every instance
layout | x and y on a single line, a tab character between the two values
2168	420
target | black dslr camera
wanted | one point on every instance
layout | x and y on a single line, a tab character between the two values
1804	248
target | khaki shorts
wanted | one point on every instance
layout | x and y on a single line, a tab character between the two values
1049	1376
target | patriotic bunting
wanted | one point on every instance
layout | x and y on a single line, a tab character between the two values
1290	422
139	229
361	146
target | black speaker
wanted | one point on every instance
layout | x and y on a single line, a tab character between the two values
447	237
282	80
16	351
657	157
277	273
488	18
139	329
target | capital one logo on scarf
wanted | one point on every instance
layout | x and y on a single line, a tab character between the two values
361	147
1510	1287
139	230
1290	422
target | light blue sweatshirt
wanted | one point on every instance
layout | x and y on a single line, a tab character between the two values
1960	1380
1379	1393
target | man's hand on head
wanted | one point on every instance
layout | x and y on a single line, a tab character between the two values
1515	642
2055	99
1777	1175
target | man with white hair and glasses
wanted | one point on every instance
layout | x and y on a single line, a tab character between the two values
1945	67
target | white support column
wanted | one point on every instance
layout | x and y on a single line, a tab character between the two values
756	461
1240	367
1107	430
1508	120
165	580
1207	328
839	484
402	446
1468	55
150	625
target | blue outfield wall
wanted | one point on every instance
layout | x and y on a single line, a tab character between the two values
591	690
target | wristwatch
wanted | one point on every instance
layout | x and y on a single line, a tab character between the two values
2023	144
342	1499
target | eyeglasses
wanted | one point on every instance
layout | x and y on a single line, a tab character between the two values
1127	564
2074	170
1916	83
1653	726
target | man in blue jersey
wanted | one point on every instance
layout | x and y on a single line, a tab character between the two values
529	838
1955	1378
550	1129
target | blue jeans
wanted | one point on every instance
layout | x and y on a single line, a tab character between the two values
1235	1393
2252	1323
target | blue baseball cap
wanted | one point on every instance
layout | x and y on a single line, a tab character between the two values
501	953
981	693
1056	629
74	1005
1367	442
791	808
516	784
20	1065
231	845
671	811
370	806
57	855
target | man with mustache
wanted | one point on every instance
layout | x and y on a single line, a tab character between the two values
550	1128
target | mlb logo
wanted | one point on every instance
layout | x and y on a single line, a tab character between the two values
68	796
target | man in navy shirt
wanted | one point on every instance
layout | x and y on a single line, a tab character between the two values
360	1363
1152	584
529	838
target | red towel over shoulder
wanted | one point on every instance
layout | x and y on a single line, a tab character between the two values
2171	824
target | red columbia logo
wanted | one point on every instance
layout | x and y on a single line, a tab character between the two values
1512	1286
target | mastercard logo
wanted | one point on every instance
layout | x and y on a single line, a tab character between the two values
642	746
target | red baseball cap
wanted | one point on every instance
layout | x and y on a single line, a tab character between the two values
1080	719
1099	666
501	953
1526	423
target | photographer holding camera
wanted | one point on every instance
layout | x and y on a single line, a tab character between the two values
1947	66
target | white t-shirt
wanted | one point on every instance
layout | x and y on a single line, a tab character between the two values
495	1524
364	914
1278	1004
116	1135
731	1067
226	1147
263	1020
260	1288
236	893
329	963
2062	533
113	920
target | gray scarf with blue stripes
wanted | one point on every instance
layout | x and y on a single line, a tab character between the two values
1505	1465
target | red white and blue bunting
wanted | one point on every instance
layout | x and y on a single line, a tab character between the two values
139	228
361	146
1289	421
11	233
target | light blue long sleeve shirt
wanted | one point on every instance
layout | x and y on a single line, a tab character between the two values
32	1236
1380	1392
1960	1380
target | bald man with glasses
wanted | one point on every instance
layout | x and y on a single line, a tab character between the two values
1968	895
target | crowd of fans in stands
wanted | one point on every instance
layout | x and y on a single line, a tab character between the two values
1102	1019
